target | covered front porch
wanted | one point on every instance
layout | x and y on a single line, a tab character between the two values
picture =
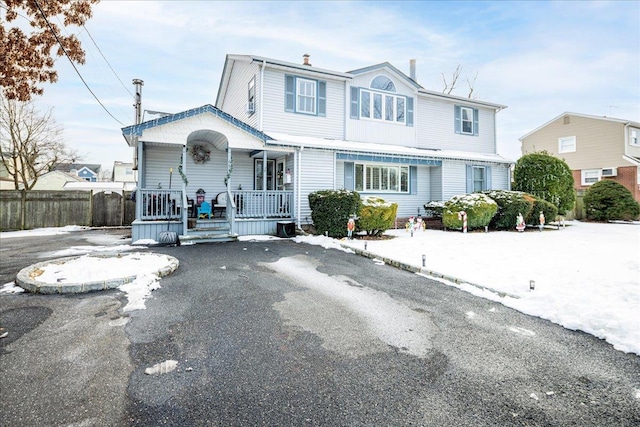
209	177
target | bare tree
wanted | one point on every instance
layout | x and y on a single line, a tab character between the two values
27	59
450	86
31	142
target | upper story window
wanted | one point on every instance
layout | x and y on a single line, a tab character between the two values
381	106
465	120
567	144
634	134
305	96
383	83
251	95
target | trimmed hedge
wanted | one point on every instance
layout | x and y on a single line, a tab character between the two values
546	177
479	207
609	200
376	216
510	204
330	210
549	210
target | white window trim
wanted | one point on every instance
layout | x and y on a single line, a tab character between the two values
571	149
462	121
398	168
583	176
635	132
383	112
299	95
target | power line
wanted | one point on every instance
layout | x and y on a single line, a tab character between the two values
105	60
72	64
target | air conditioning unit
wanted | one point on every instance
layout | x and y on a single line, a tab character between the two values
609	172
251	108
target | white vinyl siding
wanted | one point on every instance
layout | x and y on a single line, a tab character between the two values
435	128
276	119
238	92
317	170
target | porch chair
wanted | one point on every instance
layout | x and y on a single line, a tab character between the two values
220	204
204	211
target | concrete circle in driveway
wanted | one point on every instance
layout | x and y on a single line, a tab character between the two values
34	279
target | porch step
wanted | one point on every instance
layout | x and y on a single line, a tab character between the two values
208	237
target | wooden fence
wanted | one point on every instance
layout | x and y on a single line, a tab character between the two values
25	210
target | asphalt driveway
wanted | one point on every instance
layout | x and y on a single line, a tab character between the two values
279	333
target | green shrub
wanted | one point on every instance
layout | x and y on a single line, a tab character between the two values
510	204
434	209
376	216
479	208
546	177
330	210
609	200
549	210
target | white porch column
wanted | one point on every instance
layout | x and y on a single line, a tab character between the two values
264	183
185	206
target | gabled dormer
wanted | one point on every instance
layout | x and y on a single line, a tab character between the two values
381	105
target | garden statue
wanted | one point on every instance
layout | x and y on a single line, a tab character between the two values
520	223
351	225
409	225
541	220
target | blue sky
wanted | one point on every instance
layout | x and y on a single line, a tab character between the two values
538	58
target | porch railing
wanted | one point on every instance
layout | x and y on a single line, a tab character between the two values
159	204
263	204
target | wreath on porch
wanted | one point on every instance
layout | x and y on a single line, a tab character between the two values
200	153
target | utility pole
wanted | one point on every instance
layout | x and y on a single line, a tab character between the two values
138	108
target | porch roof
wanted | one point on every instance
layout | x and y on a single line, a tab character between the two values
134	132
342	146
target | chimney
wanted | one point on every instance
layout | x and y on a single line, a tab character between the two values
305	59
412	69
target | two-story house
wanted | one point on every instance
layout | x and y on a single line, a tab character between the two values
593	147
88	172
123	172
282	130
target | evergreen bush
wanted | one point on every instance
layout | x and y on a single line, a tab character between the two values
434	209
330	210
609	200
546	177
549	210
510	204
479	207
376	216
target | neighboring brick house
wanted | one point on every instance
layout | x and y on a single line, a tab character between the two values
594	147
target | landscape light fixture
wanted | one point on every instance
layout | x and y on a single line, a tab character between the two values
532	285
424	259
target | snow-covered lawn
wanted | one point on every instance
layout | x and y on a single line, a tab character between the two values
587	276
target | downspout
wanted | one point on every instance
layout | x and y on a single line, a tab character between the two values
264	63
298	185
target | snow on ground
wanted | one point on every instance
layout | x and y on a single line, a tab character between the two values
587	275
52	231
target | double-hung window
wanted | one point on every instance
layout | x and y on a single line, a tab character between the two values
633	137
567	144
478	178
591	176
466	120
374	177
305	96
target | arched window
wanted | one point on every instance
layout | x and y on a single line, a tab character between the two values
383	83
